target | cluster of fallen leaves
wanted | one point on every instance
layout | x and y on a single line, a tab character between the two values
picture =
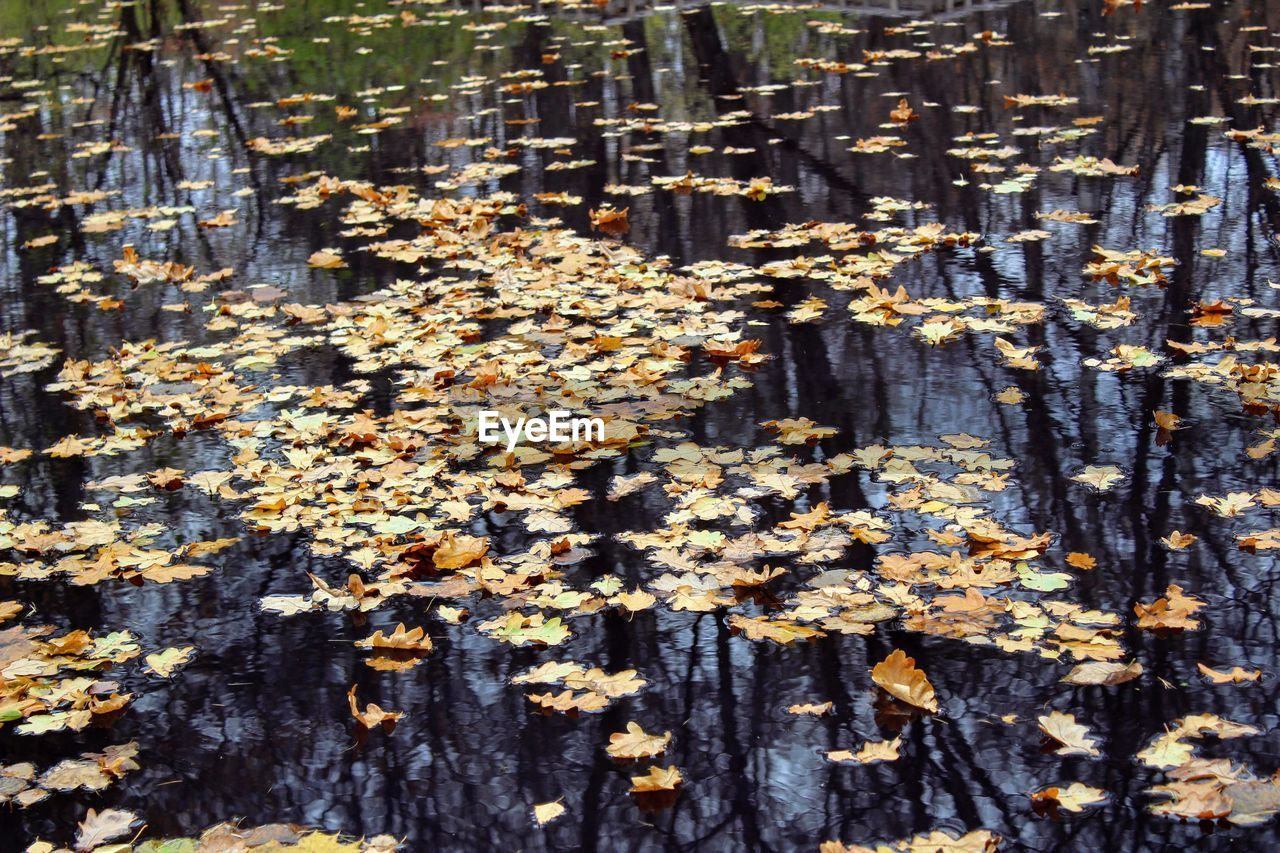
493	307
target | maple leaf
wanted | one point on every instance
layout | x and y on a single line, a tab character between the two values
166	662
1081	561
782	631
1173	611
898	676
1074	797
1230	505
1100	477
1177	540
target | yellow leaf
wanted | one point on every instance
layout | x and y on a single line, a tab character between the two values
1235	676
657	779
635	742
1064	729
897	675
547	812
1073	798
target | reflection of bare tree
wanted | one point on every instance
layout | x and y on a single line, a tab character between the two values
257	725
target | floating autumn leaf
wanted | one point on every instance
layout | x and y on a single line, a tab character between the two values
1229	505
568	700
1100	672
92	771
657	779
372	715
1010	396
224	219
610	220
1167	420
399	639
634	601
1237	675
1172	612
1100	477
798	430
812	710
518	629
870	752
784	631
37	242
98	828
938	841
635	742
165	663
1084	562
1177	540
1166	750
459	551
903	114
544	813
1073	798
898	676
1071	737
326	259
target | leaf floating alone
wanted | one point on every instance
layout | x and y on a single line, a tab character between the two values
870	753
1237	675
1011	396
372	715
898	676
635	742
544	813
1100	477
327	259
610	221
1063	729
1084	562
1073	798
166	662
97	828
813	710
1103	673
400	639
657	779
1176	541
903	113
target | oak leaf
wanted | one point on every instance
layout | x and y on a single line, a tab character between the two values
635	742
898	676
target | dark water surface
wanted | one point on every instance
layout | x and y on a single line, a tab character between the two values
257	726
